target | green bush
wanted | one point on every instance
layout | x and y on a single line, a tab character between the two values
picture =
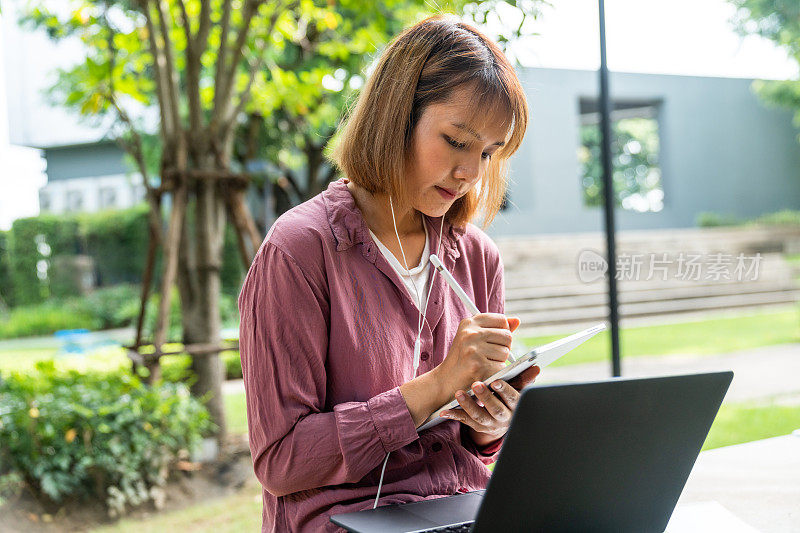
177	368
113	307
713	220
109	307
97	435
37	239
787	217
44	319
5	273
233	365
117	240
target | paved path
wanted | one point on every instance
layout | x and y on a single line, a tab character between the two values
758	373
758	482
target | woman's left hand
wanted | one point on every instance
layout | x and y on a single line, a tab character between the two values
488	415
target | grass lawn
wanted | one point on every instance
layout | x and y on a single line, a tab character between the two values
235	513
704	337
236	413
24	358
745	422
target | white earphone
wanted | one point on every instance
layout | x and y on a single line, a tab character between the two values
422	312
420	321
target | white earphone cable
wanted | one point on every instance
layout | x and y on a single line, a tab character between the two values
420	321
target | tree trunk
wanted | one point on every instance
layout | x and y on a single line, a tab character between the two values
200	289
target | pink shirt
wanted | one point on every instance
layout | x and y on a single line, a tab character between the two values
326	339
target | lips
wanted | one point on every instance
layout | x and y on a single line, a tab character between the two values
447	193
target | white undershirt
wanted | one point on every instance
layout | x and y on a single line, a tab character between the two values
419	273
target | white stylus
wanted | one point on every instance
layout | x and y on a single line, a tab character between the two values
448	277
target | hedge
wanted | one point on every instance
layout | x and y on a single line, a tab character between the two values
5	272
117	241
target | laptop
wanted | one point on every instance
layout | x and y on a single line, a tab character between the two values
611	455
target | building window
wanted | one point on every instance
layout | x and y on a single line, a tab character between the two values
44	202
74	201
634	150
108	197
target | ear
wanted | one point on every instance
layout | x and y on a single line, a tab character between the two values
513	323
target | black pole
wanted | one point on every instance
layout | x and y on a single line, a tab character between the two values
608	196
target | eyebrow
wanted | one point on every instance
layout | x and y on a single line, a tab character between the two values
466	128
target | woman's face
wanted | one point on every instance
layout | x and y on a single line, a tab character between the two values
448	155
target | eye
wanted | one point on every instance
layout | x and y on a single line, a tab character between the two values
460	146
455	144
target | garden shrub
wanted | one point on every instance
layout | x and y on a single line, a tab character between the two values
37	239
113	307
117	240
6	295
233	364
787	217
81	435
44	319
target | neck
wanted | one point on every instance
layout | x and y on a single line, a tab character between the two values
377	213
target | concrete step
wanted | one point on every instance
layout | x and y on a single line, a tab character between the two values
769	269
582	289
732	240
681	293
653	308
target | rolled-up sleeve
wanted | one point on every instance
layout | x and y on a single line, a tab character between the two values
295	445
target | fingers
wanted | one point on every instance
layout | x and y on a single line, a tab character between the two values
498	336
472	415
525	378
508	394
491	320
497	408
495	352
486	412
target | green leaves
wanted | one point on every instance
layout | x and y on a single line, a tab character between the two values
94	426
778	21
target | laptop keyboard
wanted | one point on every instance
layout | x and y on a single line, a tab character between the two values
458	528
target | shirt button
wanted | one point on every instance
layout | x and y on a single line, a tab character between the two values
424	356
437	446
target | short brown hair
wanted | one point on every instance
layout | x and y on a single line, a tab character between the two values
422	66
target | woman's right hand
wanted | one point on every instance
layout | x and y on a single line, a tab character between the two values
480	349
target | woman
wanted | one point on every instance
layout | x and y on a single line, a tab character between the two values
345	349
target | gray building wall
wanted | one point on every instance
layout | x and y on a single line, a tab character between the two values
722	150
85	161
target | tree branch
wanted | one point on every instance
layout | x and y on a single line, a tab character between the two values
255	68
193	67
204	27
159	67
222	54
228	73
172	88
186	23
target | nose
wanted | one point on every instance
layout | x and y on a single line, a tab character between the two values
468	169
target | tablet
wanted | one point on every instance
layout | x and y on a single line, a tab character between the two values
541	356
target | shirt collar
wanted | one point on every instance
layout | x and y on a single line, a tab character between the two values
349	227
